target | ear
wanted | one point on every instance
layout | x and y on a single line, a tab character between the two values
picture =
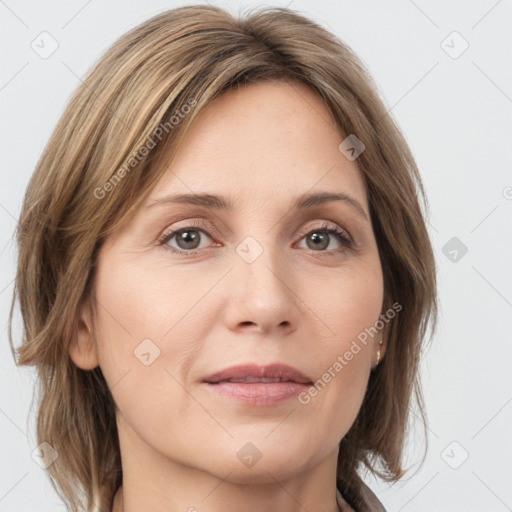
82	348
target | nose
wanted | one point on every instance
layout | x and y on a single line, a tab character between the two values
261	298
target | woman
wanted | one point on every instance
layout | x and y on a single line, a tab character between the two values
224	273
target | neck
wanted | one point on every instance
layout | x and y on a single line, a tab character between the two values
118	504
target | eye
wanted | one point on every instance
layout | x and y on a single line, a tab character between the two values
319	239
187	239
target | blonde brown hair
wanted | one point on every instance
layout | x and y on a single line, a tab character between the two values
93	175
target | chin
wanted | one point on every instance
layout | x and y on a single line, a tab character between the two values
249	465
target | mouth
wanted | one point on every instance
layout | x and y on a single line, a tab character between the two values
258	385
252	373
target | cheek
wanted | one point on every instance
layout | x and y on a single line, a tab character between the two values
339	387
137	303
346	303
149	336
348	307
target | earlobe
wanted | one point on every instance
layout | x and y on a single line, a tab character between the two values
82	349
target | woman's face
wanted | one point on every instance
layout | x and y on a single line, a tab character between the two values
259	283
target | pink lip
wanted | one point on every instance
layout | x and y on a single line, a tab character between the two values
282	371
259	393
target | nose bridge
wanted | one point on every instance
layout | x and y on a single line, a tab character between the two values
261	283
260	263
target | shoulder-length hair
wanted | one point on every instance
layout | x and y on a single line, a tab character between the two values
108	151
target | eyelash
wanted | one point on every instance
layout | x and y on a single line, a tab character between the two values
340	235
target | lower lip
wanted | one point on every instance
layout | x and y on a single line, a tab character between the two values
259	393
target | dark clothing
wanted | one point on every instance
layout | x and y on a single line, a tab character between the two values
368	502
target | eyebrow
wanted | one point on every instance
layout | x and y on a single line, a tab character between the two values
304	201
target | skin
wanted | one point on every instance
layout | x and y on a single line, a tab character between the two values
262	146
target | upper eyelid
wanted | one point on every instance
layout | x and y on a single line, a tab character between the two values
325	224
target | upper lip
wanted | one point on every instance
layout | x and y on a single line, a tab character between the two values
282	371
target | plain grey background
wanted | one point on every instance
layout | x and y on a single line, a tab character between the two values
445	72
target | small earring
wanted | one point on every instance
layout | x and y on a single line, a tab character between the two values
378	352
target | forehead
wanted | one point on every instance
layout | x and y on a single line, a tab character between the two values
261	143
